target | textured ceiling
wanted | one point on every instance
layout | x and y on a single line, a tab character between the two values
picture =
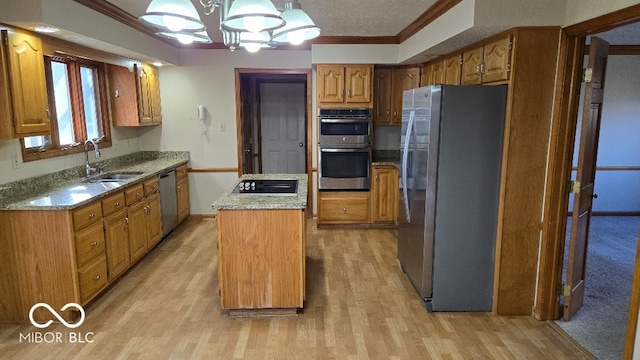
370	18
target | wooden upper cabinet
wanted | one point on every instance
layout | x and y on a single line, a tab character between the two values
24	105
135	99
389	83
426	78
452	69
497	60
403	79
345	85
437	72
383	96
148	86
488	63
471	66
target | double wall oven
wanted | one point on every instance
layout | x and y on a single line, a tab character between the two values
344	156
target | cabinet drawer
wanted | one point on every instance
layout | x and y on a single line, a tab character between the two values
181	171
113	203
92	278
87	215
89	243
151	186
133	194
344	207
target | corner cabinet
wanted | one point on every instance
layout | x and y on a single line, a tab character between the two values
24	105
344	85
135	96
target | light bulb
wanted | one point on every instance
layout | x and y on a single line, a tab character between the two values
185	38
296	37
252	47
253	23
174	23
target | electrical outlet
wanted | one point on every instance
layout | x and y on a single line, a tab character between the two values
223	126
14	162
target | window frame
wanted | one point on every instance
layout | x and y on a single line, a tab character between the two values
77	109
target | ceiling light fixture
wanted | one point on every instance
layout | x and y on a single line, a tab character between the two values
299	26
252	24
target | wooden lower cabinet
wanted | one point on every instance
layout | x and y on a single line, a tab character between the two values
77	252
384	195
116	228
261	258
182	192
343	207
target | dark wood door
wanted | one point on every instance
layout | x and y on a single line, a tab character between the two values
582	204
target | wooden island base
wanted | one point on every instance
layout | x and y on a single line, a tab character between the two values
263	312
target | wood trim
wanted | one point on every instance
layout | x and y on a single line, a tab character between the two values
213	170
613	168
435	11
634	303
619	50
605	22
615	213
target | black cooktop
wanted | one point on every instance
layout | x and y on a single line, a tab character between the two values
267	187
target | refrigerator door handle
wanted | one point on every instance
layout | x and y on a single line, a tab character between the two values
404	166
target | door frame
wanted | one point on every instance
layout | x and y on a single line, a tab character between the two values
561	147
275	73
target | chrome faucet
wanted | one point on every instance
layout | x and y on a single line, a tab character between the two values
90	169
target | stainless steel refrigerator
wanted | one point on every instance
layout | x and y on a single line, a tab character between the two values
451	156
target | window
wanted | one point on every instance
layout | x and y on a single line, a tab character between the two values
78	104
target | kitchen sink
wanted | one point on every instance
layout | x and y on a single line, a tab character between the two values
115	176
267	187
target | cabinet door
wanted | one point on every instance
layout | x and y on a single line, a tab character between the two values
497	60
117	241
358	86
138	234
437	73
144	79
426	78
471	62
182	190
154	221
403	79
123	95
383	96
28	85
154	94
452	69
384	200
330	80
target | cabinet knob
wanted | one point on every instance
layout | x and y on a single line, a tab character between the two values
95	243
116	204
97	277
91	216
344	209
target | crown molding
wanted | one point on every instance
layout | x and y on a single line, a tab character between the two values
440	7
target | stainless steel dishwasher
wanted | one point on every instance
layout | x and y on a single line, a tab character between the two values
168	201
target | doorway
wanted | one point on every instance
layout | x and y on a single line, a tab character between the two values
273	120
563	132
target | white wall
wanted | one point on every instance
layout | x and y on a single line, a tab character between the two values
582	10
619	133
207	77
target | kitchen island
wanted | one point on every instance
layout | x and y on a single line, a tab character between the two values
261	248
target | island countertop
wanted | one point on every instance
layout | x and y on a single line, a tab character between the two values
230	201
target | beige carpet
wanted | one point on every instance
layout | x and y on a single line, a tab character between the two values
600	325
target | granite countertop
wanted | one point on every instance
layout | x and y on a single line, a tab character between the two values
386	157
68	190
230	201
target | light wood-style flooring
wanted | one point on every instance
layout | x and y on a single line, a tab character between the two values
359	306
